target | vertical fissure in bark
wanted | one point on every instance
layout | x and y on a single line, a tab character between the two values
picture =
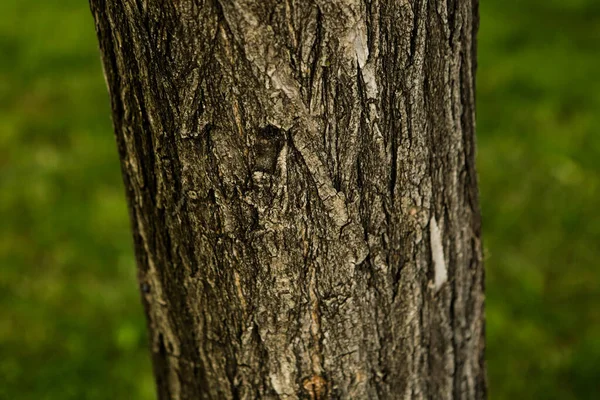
301	183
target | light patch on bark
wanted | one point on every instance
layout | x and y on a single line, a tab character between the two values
358	38
283	379
437	255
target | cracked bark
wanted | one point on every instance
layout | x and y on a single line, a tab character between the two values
303	196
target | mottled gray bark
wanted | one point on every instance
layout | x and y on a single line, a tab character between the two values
302	189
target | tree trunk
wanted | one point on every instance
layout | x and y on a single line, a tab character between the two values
302	189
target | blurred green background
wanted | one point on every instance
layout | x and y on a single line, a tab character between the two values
71	323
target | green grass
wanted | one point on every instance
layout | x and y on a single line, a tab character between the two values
539	163
71	323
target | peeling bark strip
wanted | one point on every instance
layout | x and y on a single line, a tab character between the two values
301	183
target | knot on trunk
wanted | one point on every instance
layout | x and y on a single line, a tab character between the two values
267	145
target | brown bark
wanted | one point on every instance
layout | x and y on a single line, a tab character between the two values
302	189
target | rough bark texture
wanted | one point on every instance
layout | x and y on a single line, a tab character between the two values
301	182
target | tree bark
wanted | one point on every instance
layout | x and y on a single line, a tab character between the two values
303	196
